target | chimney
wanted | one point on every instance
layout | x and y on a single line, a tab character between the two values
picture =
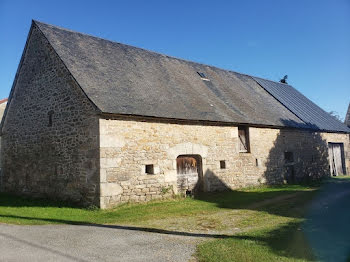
284	79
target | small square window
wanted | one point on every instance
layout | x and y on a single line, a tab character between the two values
149	169
222	164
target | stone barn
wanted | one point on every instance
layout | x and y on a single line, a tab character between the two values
100	123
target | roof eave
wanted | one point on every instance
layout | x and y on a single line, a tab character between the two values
145	118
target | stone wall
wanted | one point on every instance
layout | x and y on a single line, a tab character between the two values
2	109
59	161
126	146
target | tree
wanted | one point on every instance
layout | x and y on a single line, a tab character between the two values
335	115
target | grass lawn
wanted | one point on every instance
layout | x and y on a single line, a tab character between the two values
253	224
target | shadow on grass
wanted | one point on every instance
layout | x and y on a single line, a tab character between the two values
324	236
276	202
11	200
287	240
132	228
259	199
278	240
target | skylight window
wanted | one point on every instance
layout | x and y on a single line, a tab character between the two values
203	76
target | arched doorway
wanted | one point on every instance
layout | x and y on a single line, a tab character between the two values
189	173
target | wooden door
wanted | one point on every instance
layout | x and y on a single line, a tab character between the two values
336	159
188	167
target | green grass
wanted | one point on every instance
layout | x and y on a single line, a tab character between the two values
252	224
284	243
342	177
274	234
20	210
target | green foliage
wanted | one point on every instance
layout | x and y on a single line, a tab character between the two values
165	190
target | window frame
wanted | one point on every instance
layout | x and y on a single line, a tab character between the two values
245	129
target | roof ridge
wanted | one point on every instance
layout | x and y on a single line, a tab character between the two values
151	51
277	82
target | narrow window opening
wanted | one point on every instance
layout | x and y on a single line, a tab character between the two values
50	120
243	137
50	113
256	162
288	157
222	164
149	169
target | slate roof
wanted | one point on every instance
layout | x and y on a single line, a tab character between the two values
122	79
313	116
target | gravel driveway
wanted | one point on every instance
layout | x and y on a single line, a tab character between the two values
91	243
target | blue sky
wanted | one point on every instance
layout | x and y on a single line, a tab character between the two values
308	40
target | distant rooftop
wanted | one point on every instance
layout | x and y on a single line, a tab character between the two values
3	100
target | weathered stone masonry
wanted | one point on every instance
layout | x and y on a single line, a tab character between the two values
126	146
57	143
2	109
60	161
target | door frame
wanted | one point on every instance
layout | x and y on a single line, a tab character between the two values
198	158
331	158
